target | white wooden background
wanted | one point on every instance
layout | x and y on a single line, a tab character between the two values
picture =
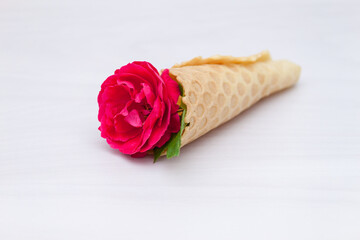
288	168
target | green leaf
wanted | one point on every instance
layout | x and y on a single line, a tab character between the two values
157	152
173	145
183	106
181	88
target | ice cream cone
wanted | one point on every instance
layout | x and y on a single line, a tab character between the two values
218	88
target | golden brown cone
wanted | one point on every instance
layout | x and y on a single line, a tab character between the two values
218	88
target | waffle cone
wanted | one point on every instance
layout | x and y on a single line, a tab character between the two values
219	88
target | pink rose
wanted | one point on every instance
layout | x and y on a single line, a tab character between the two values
138	108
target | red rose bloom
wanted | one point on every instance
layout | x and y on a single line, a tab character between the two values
138	108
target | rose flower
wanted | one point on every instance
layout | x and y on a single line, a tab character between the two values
138	108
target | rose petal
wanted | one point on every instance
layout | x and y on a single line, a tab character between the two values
139	70
150	97
148	66
174	125
133	78
121	125
133	118
159	131
110	81
128	147
101	112
124	135
145	112
174	108
125	83
140	96
99	98
116	95
146	135
160	91
152	70
111	110
163	139
171	85
125	111
149	123
154	115
139	155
